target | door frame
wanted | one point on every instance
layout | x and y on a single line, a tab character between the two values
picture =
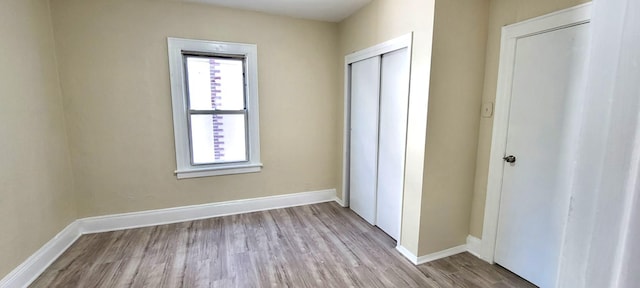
404	41
577	15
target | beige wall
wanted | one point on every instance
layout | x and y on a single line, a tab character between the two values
36	196
115	78
502	12
380	21
457	75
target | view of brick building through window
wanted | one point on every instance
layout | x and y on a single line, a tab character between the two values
216	93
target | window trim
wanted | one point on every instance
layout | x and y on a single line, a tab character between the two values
177	47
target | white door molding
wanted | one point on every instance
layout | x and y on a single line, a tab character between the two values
510	34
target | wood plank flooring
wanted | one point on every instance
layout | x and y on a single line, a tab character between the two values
321	245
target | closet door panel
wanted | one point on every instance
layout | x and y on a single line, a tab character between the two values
394	102
365	91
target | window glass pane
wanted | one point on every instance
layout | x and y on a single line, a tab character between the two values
215	83
218	138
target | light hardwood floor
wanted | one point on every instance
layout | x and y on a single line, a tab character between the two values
322	245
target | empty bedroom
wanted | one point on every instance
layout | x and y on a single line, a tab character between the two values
319	143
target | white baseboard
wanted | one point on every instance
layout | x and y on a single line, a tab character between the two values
340	202
204	211
430	257
31	268
407	254
442	254
474	246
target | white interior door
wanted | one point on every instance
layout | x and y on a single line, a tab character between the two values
394	102
363	168
534	204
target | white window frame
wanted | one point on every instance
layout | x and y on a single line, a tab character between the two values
177	48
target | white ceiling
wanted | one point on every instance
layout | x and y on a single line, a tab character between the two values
324	10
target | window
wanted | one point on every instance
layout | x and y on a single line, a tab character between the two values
214	92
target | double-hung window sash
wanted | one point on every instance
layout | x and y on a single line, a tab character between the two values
216	108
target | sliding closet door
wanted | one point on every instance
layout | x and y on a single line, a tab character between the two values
394	102
365	91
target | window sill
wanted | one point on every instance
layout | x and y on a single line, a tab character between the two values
218	171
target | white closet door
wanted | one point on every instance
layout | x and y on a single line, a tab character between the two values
394	102
365	91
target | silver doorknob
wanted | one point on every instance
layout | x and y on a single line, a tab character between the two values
510	159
